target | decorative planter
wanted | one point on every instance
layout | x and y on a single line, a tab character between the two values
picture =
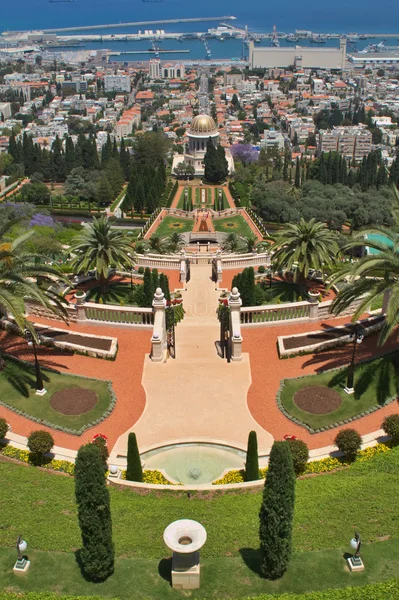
314	296
80	297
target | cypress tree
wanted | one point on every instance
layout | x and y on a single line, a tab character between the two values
155	280
164	285
252	461
94	514
297	174
148	293
248	285
212	163
276	512
124	158
134	472
12	148
381	176
69	155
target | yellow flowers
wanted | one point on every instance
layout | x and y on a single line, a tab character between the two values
62	466
153	476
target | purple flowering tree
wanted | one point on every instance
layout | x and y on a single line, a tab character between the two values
245	153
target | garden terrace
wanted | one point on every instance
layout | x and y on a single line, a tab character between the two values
328	338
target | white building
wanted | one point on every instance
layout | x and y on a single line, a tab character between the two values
117	83
5	110
272	139
155	68
299	57
202	128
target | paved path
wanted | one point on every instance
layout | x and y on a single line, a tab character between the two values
199	395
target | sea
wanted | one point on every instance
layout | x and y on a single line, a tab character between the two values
340	16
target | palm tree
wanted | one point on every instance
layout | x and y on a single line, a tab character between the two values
20	272
231	242
175	242
98	247
304	245
373	276
157	244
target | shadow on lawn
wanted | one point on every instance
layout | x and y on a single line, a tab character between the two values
165	569
86	577
21	380
252	559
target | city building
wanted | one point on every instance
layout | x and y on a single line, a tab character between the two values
155	68
201	129
353	142
299	57
5	110
272	139
117	83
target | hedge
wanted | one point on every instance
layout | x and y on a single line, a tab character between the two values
387	590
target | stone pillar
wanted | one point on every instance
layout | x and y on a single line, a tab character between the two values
235	304
80	307
219	266
314	310
158	339
183	270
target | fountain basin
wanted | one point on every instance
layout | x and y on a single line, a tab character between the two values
194	463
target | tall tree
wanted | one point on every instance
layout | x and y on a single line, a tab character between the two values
148	288
98	247
252	460
134	471
94	514
277	511
297	174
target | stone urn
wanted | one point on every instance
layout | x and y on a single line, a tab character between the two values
80	297
314	295
185	538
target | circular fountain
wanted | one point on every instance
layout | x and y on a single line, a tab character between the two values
185	538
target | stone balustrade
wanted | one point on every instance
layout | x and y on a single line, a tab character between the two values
272	313
245	260
158	261
110	314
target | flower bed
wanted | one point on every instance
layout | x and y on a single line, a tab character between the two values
315	467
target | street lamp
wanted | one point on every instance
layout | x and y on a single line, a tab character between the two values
131	272
355	562
358	337
40	389
22	564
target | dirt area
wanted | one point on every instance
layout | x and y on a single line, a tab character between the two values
316	338
317	399
74	401
96	343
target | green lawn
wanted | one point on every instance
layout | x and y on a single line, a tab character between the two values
221	578
197	197
172	224
180	203
234	224
116	293
375	382
17	389
328	509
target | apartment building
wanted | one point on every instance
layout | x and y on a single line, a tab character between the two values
352	142
117	83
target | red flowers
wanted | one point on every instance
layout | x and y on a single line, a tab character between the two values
100	435
290	437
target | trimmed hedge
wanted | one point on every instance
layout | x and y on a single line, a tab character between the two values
387	590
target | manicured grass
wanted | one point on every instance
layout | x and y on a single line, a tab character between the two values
209	196
221	578
118	198
234	224
375	382
116	293
329	508
171	224
180	204
197	197
17	389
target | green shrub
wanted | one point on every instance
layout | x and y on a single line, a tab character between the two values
349	442
94	514
3	428
140	270
134	471
300	455
40	442
261	269
276	512
390	425
252	461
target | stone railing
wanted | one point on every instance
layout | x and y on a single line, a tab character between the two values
158	261
110	314
245	260
272	313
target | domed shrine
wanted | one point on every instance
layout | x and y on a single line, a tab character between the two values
201	129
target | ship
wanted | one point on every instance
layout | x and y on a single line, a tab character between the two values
57	1
317	39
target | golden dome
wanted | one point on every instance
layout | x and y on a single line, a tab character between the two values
203	125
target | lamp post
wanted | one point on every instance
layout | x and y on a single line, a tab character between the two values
40	389
22	564
358	337
355	562
131	272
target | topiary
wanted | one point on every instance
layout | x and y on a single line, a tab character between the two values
252	461
300	455
134	471
391	427
3	428
40	442
140	270
261	269
349	442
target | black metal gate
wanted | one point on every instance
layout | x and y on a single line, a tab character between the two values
170	331
225	341
214	270
188	270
